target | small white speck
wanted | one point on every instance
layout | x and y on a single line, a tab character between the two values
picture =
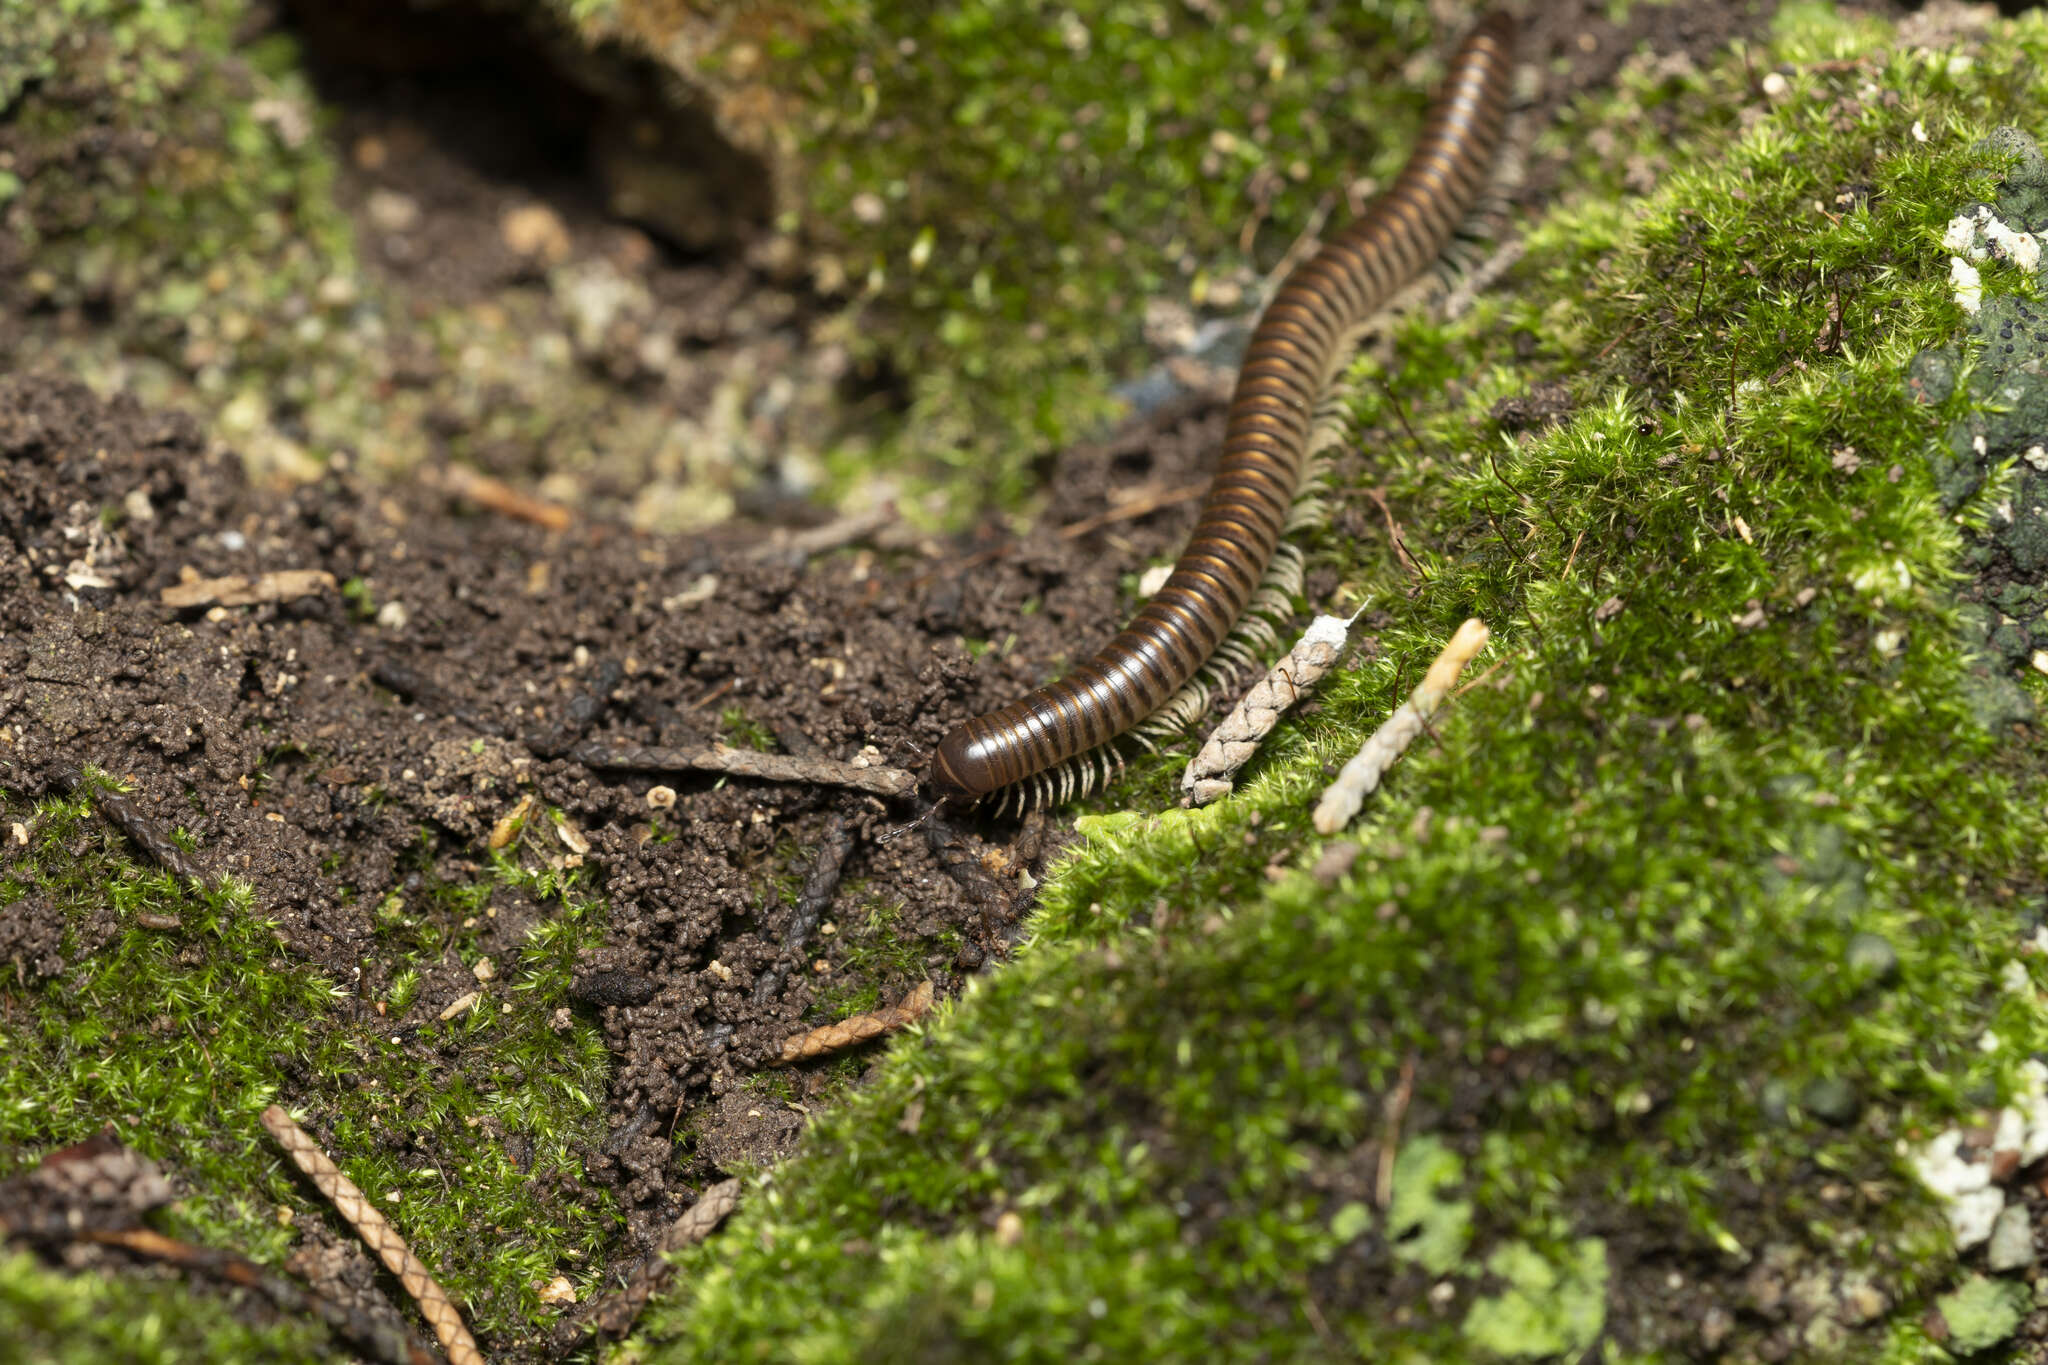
1919	131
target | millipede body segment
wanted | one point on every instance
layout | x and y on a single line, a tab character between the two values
1292	355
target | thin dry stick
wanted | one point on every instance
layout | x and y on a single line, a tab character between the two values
505	500
717	758
1362	774
614	1315
386	1342
1142	504
1394	532
833	535
811	903
377	1234
1397	1109
819	1042
1231	745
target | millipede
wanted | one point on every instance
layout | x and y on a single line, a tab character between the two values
1293	354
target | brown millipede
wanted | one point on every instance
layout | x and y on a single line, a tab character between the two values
1292	355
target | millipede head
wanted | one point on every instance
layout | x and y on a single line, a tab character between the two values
960	772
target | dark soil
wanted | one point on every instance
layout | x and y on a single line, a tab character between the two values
264	732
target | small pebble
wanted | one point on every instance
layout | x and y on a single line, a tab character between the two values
1872	957
1831	1100
2012	1240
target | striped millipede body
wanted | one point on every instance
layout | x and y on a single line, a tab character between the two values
1292	355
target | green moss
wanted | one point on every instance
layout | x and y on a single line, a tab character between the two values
1007	184
1614	915
180	1038
54	1318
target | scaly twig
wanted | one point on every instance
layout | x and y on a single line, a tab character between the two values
717	758
377	1234
1362	774
386	1342
1231	745
819	888
614	1316
820	1042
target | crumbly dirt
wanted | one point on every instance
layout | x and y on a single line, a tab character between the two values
264	732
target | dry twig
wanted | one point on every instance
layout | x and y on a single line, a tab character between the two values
1142	503
833	535
505	500
284	585
1231	745
717	758
582	711
1394	527
614	1316
387	1342
819	888
377	1234
1362	774
820	1042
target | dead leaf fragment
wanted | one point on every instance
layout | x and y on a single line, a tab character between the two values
236	590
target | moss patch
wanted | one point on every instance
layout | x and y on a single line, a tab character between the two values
180	1040
1604	918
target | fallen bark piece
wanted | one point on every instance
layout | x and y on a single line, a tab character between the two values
505	500
717	758
236	590
1231	745
377	1234
147	835
820	1042
1342	799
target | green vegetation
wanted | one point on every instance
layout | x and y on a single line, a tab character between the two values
180	1039
1619	919
1681	919
1008	185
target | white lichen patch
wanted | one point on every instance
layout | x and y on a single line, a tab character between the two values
1978	234
1968	285
1966	1179
1963	1184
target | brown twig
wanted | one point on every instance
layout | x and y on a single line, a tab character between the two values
1397	1109
377	1234
1394	533
417	686
717	758
614	1315
833	535
582	711
386	1342
851	1032
1143	503
505	500
283	585
146	834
